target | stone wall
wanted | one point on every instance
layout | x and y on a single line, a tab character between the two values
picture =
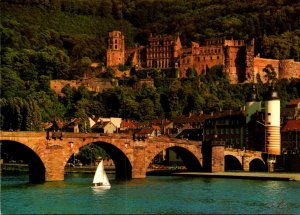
96	84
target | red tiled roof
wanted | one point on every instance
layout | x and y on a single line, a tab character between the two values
128	124
294	102
291	125
156	127
146	131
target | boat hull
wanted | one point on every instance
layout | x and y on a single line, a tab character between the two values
101	187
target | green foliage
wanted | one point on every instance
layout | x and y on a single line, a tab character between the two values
46	40
89	154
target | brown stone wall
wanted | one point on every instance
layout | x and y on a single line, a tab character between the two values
95	84
260	64
289	69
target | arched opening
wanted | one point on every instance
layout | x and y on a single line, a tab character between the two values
257	165
232	163
115	160
175	158
18	155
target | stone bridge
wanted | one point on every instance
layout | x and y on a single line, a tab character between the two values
248	160
47	157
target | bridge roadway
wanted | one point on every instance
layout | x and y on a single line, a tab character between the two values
47	155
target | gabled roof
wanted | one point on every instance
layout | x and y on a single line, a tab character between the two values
101	125
291	125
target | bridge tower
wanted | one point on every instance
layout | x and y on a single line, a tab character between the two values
252	105
272	122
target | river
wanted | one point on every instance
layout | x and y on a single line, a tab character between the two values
152	195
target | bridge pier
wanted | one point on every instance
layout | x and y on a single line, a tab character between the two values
139	163
246	163
217	156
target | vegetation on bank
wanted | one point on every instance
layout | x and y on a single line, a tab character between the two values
57	39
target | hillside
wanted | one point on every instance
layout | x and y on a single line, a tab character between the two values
44	40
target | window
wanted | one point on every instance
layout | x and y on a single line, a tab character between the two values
116	46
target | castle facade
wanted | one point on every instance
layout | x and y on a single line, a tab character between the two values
166	51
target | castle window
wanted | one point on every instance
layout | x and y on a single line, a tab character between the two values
116	46
211	57
116	41
203	58
218	57
198	59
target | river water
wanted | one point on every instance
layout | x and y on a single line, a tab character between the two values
152	195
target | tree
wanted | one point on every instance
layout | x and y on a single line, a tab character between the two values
11	84
270	74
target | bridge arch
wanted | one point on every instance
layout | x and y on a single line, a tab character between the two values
257	165
123	166
20	151
189	158
232	163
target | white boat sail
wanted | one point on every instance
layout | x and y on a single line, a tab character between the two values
100	179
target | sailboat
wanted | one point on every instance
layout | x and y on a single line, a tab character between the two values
100	178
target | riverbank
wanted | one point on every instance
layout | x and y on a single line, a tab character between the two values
246	175
282	176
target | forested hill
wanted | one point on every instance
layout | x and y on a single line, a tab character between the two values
273	23
43	40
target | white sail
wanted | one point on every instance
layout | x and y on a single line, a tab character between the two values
105	179
99	173
101	177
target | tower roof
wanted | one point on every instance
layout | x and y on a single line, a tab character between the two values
253	96
273	94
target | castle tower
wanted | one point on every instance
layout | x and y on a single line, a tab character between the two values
272	122
115	54
252	105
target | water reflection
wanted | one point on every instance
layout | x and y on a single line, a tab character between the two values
100	191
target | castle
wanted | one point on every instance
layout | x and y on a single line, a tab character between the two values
166	52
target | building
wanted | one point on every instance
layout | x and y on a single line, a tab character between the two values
228	126
104	127
290	134
163	51
166	52
291	111
290	137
